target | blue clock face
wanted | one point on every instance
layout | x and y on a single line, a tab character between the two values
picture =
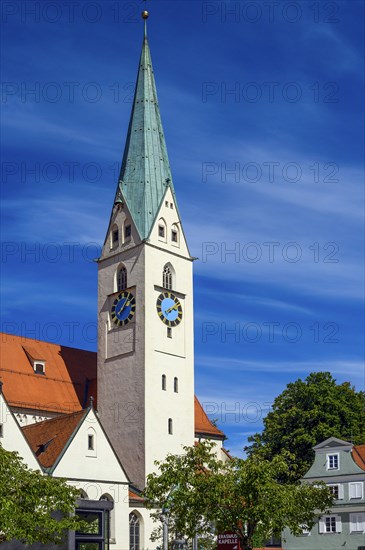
123	308
169	309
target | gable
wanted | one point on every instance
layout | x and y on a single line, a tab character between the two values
12	438
79	462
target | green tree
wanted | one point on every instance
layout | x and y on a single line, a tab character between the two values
305	414
241	496
33	507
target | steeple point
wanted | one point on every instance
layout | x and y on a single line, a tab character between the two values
145	173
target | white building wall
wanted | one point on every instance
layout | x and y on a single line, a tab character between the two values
172	357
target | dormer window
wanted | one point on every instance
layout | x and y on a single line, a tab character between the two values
39	367
333	461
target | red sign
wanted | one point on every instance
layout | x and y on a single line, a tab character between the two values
228	541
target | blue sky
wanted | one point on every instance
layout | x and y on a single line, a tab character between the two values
262	111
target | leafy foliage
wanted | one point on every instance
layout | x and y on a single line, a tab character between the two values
242	496
307	413
33	507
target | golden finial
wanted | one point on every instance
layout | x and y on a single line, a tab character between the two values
145	14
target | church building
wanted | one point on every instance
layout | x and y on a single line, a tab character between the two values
102	420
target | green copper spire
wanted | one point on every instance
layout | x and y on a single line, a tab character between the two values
145	173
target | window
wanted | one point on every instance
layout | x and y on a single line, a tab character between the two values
164	382
167	203
90	442
127	231
167	277
356	490
39	368
134	532
357	523
336	490
171	205
175	235
109	520
114	236
305	530
122	279
169	426
330	524
333	462
176	385
161	230
1	430
169	332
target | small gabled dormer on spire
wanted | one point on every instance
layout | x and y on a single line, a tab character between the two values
145	173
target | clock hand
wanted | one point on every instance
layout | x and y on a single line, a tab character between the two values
123	306
175	306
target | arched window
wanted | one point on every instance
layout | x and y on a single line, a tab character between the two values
162	230
114	236
83	494
122	278
127	231
164	382
111	519
176	385
167	277
169	426
134	532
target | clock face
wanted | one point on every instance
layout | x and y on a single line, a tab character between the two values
123	308
169	309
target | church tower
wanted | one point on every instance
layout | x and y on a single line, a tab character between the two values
145	300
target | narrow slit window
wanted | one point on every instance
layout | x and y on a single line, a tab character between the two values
167	277
169	332
176	385
163	383
170	426
90	442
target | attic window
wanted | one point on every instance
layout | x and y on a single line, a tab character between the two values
90	442
161	231
333	461
166	203
115	236
174	236
39	367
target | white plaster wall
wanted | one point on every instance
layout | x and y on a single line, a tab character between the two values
13	438
173	357
79	462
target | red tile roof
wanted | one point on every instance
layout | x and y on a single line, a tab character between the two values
47	439
358	454
203	425
68	383
135	496
65	386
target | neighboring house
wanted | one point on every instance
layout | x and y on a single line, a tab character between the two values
341	465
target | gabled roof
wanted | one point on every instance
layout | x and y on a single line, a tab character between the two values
332	442
145	172
358	454
203	426
49	438
65	386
